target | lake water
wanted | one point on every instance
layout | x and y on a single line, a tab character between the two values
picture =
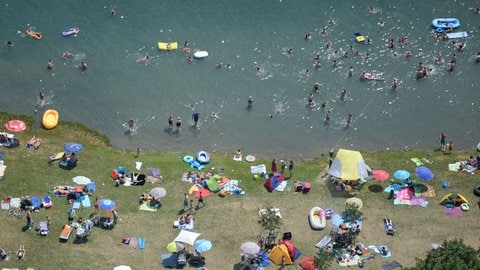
247	35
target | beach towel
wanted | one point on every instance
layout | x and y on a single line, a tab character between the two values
454	212
259	169
350	261
86	201
417	161
454	167
133	242
47	202
141	242
170	260
15	202
146	207
417	201
76	204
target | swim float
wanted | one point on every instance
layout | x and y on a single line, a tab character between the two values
317	218
167	46
187	159
33	34
50	119
70	31
203	157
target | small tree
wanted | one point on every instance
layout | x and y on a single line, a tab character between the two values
351	213
271	222
450	255
323	259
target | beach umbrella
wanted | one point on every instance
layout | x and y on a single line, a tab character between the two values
307	263
15	125
81	180
250	248
107	205
380	175
158	192
401	174
73	147
337	220
187	237
424	173
175	246
205	193
202	245
354	202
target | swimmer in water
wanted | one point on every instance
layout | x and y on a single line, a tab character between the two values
215	116
50	64
250	101
144	59
219	65
67	55
170	121
131	125
9	44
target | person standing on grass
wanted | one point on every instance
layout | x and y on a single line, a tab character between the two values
200	201
185	201
71	215
283	166
290	168
191	208
97	202
29	220
274	166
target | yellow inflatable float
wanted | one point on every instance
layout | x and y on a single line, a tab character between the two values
167	46
50	119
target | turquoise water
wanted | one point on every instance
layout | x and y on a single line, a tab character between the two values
247	35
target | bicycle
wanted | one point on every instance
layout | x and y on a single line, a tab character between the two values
16	212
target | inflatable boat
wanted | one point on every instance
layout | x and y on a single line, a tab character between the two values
50	119
200	54
167	46
33	34
70	31
359	38
203	157
317	218
445	23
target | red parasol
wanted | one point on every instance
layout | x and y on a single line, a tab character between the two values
380	175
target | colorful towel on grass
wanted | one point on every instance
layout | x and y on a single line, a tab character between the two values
86	201
417	200
133	243
454	212
147	207
350	261
417	161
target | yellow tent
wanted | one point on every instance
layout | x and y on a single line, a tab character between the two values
349	165
278	252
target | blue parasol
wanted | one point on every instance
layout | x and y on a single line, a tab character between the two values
401	174
107	205
73	147
202	245
424	173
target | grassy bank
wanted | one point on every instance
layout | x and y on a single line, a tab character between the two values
228	221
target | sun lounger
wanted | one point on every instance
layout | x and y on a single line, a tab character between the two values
65	234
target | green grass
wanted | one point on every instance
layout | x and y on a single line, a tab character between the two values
227	222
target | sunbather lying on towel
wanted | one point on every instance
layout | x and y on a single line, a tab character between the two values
20	253
389	227
34	142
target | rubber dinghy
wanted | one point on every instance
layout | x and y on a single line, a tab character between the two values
317	218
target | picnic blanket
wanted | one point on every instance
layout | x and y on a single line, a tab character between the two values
391	265
170	260
454	212
147	207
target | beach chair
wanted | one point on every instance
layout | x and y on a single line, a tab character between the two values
65	234
43	228
389	227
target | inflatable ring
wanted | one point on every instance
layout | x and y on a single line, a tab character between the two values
465	206
476	190
203	157
250	158
439	30
187	159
